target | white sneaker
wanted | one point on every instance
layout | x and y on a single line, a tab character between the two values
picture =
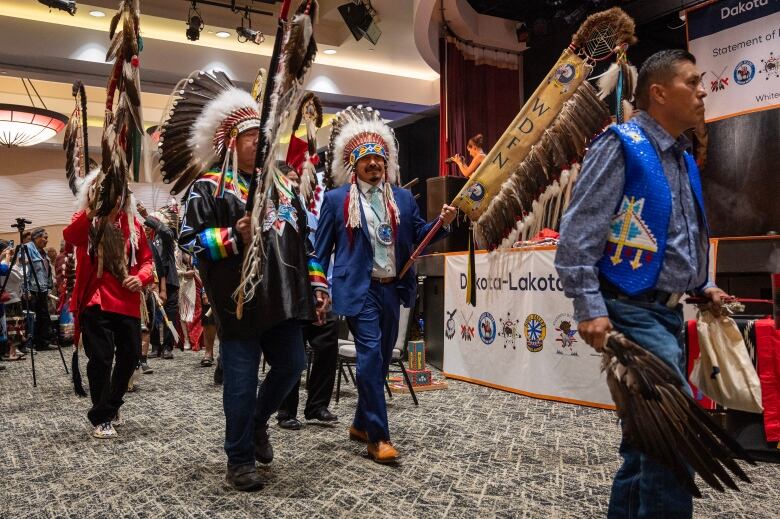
187	346
104	430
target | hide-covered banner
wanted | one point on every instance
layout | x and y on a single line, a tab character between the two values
737	48
521	336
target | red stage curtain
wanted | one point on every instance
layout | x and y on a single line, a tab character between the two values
480	93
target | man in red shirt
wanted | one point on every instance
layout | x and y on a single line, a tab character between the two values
107	311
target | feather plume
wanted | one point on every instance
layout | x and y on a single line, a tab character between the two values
298	52
121	124
75	142
664	422
608	81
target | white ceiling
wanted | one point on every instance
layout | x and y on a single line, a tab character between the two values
55	49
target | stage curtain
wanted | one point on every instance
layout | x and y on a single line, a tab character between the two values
480	93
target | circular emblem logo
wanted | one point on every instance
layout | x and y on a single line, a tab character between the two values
476	192
744	72
565	73
535	332
487	328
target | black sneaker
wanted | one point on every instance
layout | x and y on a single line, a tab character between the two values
243	478
291	424
264	452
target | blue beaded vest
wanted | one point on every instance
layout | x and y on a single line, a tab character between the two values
636	240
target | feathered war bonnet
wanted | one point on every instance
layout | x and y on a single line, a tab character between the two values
206	114
359	132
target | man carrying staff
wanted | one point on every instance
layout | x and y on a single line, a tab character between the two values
633	241
107	312
372	226
223	122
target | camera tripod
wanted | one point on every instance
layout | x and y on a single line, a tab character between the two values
26	262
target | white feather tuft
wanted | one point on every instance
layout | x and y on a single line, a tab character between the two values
206	125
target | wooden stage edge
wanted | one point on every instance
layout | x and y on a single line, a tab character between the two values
608	407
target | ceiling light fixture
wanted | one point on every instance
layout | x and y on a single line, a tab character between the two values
194	23
245	33
28	125
222	34
329	51
97	14
69	6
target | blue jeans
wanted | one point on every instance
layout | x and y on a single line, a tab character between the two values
643	488
246	406
375	329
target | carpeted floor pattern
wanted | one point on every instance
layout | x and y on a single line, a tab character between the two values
467	451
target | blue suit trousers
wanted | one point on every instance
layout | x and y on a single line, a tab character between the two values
375	330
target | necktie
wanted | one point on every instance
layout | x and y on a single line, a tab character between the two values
378	208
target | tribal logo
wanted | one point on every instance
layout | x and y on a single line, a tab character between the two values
535	332
466	329
744	72
564	325
509	330
771	66
720	82
487	328
449	326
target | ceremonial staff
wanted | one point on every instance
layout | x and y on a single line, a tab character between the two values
263	142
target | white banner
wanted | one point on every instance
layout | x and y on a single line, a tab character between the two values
737	48
521	336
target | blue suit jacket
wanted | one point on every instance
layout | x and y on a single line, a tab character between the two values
354	260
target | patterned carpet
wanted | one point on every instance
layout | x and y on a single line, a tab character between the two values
467	452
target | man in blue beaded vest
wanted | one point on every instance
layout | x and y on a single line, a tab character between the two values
633	240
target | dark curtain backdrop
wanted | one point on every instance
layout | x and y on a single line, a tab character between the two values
474	99
418	153
741	179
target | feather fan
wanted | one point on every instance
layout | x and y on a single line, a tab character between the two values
664	422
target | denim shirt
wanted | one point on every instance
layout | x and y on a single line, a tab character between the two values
596	195
40	268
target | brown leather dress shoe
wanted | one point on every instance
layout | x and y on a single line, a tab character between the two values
357	435
382	452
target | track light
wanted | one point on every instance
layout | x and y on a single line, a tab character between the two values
69	6
246	33
194	23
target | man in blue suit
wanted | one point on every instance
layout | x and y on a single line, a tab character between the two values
372	226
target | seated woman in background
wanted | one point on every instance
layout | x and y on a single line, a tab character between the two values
474	147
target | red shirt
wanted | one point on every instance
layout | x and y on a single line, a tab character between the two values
106	291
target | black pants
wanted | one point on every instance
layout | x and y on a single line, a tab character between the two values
104	333
171	308
324	342
39	301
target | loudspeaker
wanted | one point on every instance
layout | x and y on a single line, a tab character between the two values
433	315
442	190
360	22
